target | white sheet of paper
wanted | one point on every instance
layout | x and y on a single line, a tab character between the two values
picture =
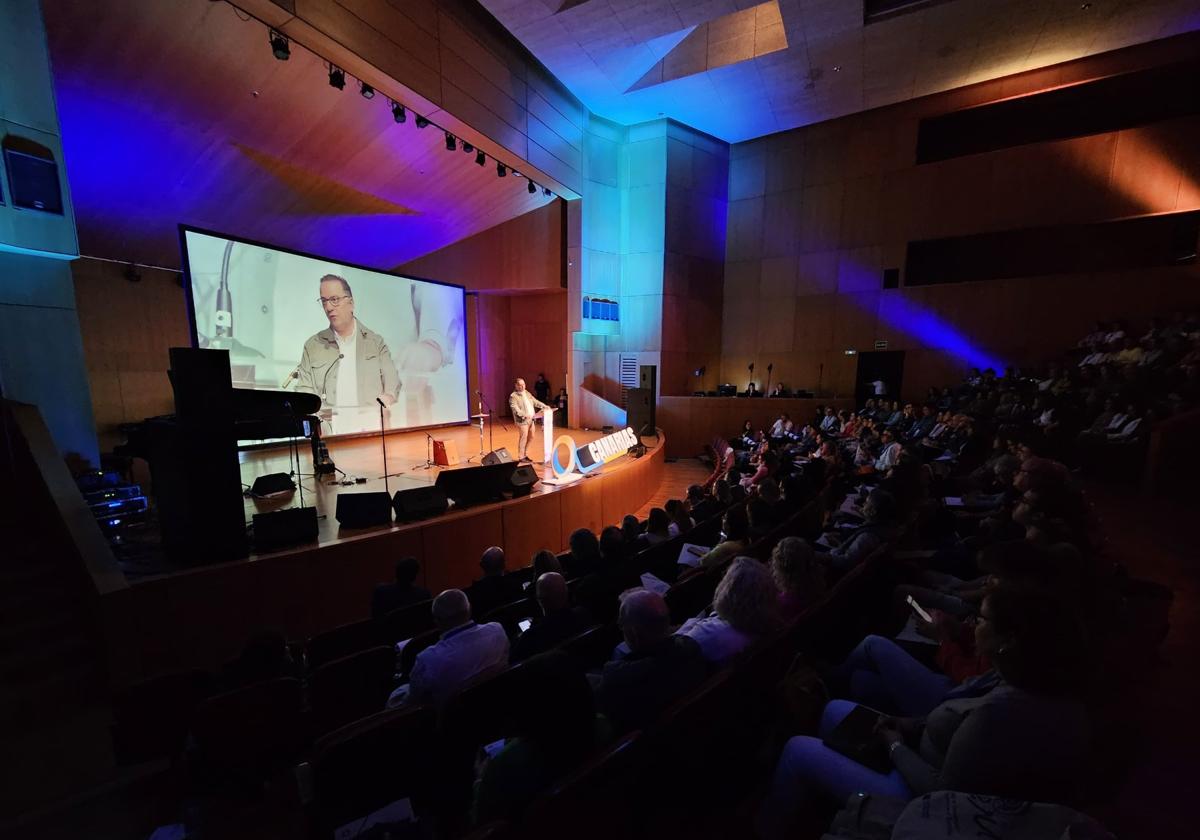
910	634
655	583
399	811
821	540
690	554
953	501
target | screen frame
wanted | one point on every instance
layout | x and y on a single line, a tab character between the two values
194	336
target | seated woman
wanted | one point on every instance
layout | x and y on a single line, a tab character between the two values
735	529
799	576
745	608
658	527
681	520
877	529
1024	738
724	457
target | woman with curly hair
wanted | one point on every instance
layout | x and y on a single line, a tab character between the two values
799	576
745	608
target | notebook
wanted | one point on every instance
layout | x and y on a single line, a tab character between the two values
855	738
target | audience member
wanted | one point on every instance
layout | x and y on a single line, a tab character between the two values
681	520
735	538
702	506
402	592
585	553
265	656
559	620
745	608
495	588
465	651
658	527
799	576
632	691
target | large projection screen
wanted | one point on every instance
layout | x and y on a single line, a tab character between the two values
349	334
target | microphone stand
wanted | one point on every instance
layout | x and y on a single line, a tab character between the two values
492	425
429	464
383	446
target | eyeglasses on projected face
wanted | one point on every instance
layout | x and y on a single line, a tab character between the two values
336	300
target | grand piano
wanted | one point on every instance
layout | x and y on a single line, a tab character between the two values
194	468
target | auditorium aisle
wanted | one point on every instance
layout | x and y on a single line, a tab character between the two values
677	477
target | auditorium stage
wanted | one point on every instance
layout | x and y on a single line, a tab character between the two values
363	457
200	617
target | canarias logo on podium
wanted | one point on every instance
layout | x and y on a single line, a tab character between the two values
594	455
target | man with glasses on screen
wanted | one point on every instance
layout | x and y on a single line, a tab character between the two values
346	364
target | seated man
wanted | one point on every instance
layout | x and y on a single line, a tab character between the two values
703	506
465	651
660	668
559	621
495	588
402	593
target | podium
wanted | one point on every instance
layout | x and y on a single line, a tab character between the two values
445	453
547	416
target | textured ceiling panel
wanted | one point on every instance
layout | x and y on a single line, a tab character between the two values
822	63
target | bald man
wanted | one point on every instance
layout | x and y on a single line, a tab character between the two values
496	588
659	669
524	406
559	621
466	650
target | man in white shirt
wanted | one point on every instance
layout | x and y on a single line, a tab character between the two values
782	426
465	651
890	454
524	406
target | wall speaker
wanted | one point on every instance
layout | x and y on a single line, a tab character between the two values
281	528
32	175
364	510
523	479
648	378
639	411
891	278
497	456
419	503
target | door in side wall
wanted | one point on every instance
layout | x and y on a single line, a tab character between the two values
879	370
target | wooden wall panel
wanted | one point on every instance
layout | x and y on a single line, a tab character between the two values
452	551
862	198
531	526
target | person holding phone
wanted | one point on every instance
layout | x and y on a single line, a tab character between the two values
558	623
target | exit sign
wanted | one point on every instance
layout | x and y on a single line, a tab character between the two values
880	345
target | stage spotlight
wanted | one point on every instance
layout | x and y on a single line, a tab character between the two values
337	77
531	187
450	146
480	158
280	46
366	90
422	122
546	192
501	170
467	147
398	112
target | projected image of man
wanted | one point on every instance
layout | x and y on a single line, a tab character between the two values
346	364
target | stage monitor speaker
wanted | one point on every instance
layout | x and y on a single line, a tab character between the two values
419	503
648	378
364	510
281	528
497	456
639	411
445	453
471	485
272	483
523	479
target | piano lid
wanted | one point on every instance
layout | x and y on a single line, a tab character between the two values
261	404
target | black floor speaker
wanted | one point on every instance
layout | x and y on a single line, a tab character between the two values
471	485
419	503
281	528
364	510
497	456
271	483
523	479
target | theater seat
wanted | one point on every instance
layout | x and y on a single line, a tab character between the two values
510	614
150	719
338	642
350	688
404	623
593	647
242	735
418	643
371	763
689	596
594	802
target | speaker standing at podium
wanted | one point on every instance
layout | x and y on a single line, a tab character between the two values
524	407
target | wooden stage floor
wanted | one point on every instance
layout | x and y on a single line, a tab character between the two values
363	457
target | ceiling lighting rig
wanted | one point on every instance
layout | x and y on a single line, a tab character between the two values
281	49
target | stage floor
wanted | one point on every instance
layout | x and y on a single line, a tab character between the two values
363	457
